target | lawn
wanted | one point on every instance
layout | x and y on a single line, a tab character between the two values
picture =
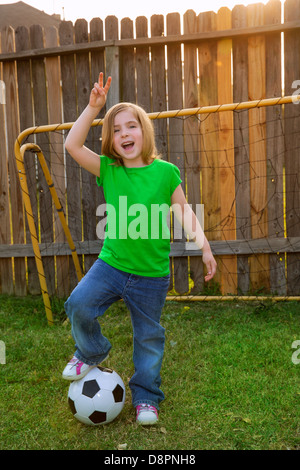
228	377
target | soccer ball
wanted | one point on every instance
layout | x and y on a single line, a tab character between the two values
97	398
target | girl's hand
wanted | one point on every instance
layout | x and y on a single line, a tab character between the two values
211	267
209	262
99	93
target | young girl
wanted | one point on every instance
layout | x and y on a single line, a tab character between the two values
134	262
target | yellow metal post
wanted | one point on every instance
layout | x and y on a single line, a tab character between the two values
29	214
34	238
60	212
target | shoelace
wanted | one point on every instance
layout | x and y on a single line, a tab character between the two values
74	361
146	407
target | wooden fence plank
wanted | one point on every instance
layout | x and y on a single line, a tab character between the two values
68	78
292	142
12	116
176	136
209	133
226	155
143	66
158	71
158	87
41	118
259	265
97	66
6	271
241	144
128	92
88	181
144	41
275	148
191	136
178	249
26	120
57	155
112	61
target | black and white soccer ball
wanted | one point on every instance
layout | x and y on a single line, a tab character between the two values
97	398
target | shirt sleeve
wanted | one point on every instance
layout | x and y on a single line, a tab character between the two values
175	179
103	168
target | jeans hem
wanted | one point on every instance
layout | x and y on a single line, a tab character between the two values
91	363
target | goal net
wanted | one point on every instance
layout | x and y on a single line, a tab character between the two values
239	162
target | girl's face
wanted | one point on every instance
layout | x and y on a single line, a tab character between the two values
128	139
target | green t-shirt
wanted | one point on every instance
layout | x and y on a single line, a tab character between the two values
137	238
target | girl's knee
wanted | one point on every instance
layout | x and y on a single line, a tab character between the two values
74	305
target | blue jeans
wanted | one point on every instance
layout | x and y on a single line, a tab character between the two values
145	297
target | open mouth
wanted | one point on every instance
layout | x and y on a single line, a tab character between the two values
128	146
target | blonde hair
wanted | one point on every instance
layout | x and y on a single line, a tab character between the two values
149	152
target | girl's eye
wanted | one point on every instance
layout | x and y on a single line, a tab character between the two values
116	130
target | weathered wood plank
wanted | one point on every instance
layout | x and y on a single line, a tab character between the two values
13	129
128	92
144	41
41	118
178	249
209	134
69	99
176	135
275	148
57	155
112	61
192	136
88	181
292	143
259	265
159	101
142	61
241	144
226	155
97	66
26	120
6	270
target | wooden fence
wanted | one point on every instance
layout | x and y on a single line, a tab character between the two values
244	166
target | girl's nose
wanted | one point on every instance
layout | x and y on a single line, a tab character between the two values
124	132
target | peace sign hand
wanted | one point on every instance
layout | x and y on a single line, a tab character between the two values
99	93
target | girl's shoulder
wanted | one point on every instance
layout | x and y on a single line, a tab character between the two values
170	172
107	160
163	164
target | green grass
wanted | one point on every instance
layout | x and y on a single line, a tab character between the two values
227	375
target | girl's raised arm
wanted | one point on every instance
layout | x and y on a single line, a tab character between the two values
79	131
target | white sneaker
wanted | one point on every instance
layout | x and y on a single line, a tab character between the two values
146	414
76	369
